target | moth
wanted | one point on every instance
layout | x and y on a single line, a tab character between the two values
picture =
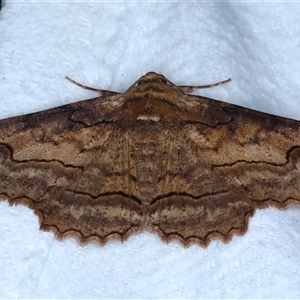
189	168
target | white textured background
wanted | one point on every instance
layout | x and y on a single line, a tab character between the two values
109	46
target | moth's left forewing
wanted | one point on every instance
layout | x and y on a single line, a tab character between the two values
66	164
98	110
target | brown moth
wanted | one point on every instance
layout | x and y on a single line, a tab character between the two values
189	168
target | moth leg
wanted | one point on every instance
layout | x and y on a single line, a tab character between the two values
190	89
102	92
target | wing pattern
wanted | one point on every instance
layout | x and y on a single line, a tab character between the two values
189	168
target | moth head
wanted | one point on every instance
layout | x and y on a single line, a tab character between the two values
152	77
155	86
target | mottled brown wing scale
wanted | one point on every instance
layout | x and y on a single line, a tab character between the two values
193	204
189	168
66	171
226	171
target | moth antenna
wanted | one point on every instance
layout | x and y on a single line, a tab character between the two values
102	92
189	89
